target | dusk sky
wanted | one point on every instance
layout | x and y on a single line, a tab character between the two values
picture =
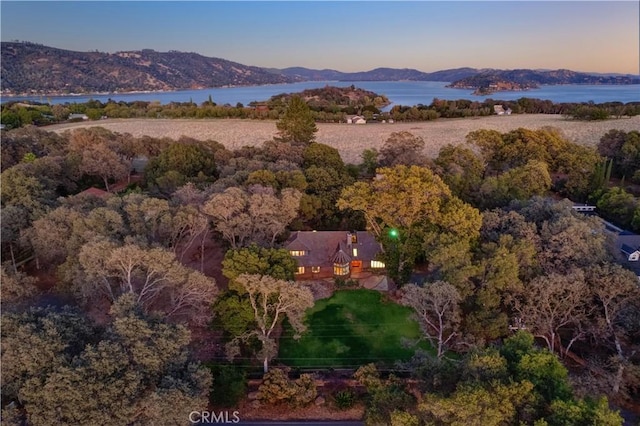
588	36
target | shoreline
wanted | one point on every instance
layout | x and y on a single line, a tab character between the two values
351	139
232	86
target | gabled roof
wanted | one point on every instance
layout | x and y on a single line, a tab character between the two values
629	241
628	250
298	245
327	247
97	192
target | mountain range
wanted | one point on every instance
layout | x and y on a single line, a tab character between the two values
30	68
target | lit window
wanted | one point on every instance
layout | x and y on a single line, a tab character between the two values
355	252
300	270
354	238
340	269
315	269
377	264
297	253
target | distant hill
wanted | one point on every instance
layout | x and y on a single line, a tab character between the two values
29	67
378	74
489	81
313	75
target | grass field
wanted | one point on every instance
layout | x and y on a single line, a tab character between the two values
351	328
351	140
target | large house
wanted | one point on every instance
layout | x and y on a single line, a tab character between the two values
628	246
356	119
499	110
78	117
323	254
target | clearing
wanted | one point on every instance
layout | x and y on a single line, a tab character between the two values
350	329
351	139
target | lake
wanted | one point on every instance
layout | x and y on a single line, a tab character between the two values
398	92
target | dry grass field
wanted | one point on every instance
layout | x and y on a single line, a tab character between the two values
352	139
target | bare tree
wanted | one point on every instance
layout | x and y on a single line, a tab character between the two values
189	225
402	148
51	235
154	276
148	217
257	217
616	291
98	157
271	214
16	286
228	210
437	311
271	299
555	303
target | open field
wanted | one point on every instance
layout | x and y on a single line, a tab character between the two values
352	139
351	328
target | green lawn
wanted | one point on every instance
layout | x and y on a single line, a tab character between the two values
351	328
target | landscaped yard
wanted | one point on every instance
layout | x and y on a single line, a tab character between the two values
349	329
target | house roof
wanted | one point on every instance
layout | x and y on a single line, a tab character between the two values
341	257
325	247
625	243
628	250
97	192
629	240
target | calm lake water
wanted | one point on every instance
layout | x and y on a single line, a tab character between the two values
398	92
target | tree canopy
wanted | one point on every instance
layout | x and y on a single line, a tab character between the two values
134	370
271	300
297	125
419	206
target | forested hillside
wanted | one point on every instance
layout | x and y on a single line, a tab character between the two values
489	81
33	68
29	68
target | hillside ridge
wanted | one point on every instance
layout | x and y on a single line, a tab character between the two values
31	68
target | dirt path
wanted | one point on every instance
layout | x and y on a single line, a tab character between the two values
352	139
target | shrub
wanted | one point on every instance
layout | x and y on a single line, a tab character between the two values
305	391
341	283
344	399
229	385
402	418
277	388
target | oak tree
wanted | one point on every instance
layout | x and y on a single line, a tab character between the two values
437	311
616	294
419	206
259	216
556	308
276	263
271	300
402	148
133	371
154	276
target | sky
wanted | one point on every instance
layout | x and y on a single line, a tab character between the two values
349	36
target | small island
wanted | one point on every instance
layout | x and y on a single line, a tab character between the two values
332	99
491	81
